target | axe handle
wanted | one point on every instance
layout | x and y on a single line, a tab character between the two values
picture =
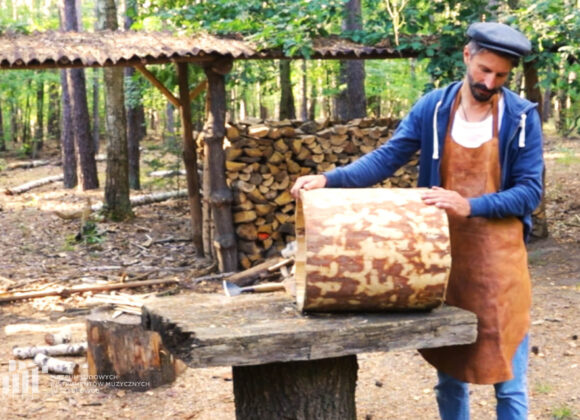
266	287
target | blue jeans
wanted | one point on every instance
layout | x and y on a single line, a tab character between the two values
512	396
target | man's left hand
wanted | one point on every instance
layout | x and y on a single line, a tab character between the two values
451	201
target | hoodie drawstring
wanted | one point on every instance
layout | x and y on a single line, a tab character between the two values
435	133
522	139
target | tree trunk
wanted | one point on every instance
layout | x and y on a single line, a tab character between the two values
54	111
190	159
39	130
135	112
80	111
351	102
534	94
169	132
134	135
67	137
96	119
219	195
304	103
2	138
117	202
314	389
287	107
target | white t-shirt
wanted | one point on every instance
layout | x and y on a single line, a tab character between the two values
474	134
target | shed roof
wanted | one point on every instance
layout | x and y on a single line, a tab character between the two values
126	48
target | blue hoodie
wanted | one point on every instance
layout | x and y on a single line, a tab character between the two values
521	155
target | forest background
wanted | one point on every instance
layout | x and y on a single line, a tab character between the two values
35	106
46	110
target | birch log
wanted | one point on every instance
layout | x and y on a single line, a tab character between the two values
52	365
68	349
370	249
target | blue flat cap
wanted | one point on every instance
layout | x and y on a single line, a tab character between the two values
499	37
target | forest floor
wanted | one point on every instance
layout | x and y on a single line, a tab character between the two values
38	250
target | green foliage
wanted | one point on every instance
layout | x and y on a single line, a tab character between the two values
563	412
287	24
89	234
398	83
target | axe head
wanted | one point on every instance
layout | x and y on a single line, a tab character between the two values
232	289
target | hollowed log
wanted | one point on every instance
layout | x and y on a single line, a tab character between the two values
370	250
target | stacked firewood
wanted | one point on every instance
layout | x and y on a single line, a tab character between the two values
264	159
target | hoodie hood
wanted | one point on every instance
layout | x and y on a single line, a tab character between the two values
515	115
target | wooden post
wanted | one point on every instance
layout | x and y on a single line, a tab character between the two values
190	159
313	389
220	196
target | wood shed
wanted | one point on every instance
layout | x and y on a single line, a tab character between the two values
50	50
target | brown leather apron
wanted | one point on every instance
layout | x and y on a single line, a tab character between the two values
489	272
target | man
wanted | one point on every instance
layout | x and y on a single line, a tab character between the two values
481	154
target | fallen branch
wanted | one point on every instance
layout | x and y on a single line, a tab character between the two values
29	352
65	292
33	184
139	200
166	173
52	365
28	164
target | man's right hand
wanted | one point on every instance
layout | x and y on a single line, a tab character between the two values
307	182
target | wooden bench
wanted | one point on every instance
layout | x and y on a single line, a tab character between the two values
287	364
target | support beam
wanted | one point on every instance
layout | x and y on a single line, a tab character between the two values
220	196
198	89
151	77
190	159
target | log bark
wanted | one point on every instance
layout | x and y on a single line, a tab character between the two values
370	249
61	337
122	353
68	349
314	389
52	365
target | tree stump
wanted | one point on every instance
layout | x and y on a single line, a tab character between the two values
315	389
124	355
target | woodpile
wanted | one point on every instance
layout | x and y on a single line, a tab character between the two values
263	159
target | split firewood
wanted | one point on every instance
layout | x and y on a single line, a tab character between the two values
65	292
33	184
68	349
61	337
52	365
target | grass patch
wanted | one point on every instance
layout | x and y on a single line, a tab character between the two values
568	157
542	388
563	412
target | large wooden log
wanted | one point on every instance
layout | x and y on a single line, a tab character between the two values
370	249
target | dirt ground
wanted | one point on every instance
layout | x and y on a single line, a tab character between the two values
38	251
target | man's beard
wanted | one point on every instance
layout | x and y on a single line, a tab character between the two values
479	91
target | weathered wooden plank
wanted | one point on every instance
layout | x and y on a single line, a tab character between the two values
214	330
